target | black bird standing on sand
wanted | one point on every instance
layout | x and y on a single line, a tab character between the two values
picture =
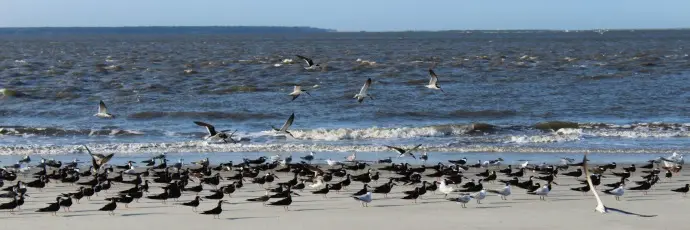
262	199
10	205
110	207
323	191
52	207
215	211
194	203
284	202
576	173
683	190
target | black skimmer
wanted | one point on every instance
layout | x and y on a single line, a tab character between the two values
615	185
310	63
625	174
507	171
216	196
309	157
215	211
405	151
363	92
284	202
25	160
412	195
433	82
284	128
10	205
110	207
364	190
298	91
103	111
462	161
645	186
630	169
576	173
162	196
600	206
365	199
217	135
52	207
513	182
194	203
583	189
262	199
683	189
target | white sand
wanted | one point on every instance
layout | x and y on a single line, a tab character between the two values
564	209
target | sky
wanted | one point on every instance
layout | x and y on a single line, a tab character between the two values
352	15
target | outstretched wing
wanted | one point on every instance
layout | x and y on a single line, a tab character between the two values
434	78
414	148
211	130
288	123
102	108
306	59
297	89
400	150
364	89
589	181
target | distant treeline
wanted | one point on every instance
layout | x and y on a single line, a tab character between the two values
161	30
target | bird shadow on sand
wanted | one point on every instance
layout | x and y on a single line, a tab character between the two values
492	207
251	217
141	214
315	209
389	205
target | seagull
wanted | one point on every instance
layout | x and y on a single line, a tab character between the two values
365	199
98	160
363	92
298	91
287	125
445	189
332	163
352	157
504	192
541	192
618	192
213	134
103	111
600	206
479	196
310	63
403	151
433	82
463	200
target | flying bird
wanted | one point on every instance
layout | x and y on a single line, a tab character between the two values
213	134
433	82
98	160
298	91
310	63
103	111
285	127
403	151
363	92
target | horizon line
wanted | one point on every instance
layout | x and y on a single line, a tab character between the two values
350	31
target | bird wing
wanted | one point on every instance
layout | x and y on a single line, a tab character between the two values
102	108
414	148
288	123
211	130
297	89
365	87
434	78
589	181
306	59
400	150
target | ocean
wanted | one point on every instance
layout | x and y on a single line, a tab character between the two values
518	95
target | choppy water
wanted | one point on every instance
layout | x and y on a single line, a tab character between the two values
625	92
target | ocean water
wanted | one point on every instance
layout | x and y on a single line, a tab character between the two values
512	94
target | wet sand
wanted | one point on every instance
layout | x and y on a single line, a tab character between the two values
563	209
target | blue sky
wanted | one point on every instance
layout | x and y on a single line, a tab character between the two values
352	15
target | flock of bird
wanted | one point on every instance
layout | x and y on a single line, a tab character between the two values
179	179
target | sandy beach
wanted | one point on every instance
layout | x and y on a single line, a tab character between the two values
563	209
